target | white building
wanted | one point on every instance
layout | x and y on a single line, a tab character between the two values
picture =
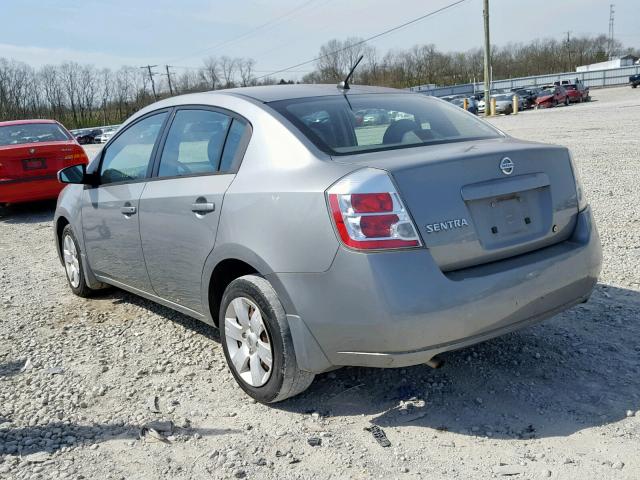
626	61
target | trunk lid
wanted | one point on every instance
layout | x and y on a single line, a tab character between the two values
41	159
469	211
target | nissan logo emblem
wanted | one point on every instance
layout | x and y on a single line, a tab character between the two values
506	165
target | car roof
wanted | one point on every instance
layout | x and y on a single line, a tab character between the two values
24	122
274	93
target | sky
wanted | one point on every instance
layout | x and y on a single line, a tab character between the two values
180	33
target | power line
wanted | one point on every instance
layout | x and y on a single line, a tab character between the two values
373	37
245	34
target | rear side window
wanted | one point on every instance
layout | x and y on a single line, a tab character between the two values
32	133
347	124
127	157
235	138
194	143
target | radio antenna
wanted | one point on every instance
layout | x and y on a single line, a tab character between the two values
344	85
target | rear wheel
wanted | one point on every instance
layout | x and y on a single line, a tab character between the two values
73	263
257	342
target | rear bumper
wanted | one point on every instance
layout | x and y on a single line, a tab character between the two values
398	308
30	189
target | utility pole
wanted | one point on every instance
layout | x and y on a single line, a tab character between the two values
569	49
611	15
151	74
168	74
487	60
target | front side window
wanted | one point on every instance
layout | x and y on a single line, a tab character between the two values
347	124
127	157
194	143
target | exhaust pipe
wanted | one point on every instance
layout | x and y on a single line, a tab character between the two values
435	362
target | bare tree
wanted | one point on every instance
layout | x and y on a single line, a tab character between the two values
210	73
228	67
245	69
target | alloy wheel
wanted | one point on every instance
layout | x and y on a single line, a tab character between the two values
248	343
71	263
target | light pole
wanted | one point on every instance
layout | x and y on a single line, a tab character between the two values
487	60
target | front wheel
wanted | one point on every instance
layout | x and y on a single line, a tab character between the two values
257	342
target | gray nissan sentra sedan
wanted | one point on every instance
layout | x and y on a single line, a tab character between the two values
314	240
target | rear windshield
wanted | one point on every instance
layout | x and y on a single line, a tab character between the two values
346	124
32	133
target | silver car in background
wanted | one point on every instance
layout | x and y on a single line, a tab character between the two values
314	241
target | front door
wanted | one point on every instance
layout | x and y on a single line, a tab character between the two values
180	206
110	210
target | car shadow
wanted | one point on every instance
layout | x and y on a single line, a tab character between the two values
57	435
578	370
118	296
31	212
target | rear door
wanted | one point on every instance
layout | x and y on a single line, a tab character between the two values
110	211
180	207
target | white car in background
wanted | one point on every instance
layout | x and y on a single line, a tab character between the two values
504	103
106	134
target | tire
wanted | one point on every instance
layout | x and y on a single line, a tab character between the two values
267	332
78	285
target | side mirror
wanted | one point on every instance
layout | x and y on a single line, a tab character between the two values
74	174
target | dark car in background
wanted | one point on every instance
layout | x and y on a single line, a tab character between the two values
458	100
527	94
89	136
634	80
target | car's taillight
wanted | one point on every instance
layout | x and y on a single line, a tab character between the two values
77	156
368	213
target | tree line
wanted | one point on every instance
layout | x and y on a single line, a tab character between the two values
84	95
425	64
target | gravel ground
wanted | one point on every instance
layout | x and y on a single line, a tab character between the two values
81	380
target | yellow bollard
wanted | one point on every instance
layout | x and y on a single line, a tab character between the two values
493	106
465	104
515	104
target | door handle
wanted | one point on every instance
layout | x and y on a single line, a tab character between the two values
128	210
203	207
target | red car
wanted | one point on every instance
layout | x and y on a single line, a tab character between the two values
31	153
577	92
551	95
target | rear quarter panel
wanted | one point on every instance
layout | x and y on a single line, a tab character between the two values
276	207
